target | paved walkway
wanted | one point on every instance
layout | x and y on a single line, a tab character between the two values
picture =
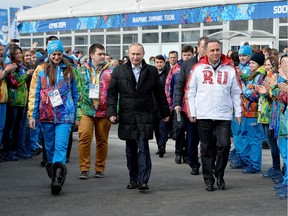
24	189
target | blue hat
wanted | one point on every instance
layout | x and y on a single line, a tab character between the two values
245	50
55	45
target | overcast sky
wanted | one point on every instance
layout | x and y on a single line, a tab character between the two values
4	4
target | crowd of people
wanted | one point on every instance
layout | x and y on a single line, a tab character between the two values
203	98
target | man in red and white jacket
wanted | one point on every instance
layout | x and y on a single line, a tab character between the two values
212	93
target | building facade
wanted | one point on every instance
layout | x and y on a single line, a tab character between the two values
263	23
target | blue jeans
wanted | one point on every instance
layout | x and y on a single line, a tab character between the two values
273	146
12	128
3	108
23	144
56	137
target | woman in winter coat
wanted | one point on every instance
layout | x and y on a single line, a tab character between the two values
53	98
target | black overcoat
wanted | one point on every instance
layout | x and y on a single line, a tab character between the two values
136	116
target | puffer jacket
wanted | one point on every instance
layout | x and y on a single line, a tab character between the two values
136	108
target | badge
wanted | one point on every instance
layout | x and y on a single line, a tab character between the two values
55	98
94	91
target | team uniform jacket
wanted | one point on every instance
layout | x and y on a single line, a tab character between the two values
17	87
3	89
40	102
213	94
85	77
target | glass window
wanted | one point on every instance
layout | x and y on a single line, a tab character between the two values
113	39
130	38
188	36
81	31
263	24
67	41
125	50
81	39
83	49
213	23
40	41
239	25
210	31
112	29
97	39
191	25
65	32
150	38
96	30
149	27
25	42
25	34
130	29
169	26
282	44
38	33
283	32
170	37
113	51
51	33
283	20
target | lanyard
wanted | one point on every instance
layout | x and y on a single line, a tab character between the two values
97	76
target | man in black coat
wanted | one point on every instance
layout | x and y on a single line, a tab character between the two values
192	131
136	82
160	127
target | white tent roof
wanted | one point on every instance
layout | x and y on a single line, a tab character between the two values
84	8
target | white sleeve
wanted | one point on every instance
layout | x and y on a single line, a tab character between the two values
191	91
235	95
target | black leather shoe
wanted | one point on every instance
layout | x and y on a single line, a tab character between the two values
143	187
195	171
209	187
161	151
178	159
221	183
132	185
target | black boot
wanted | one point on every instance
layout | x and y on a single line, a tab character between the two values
48	167
59	171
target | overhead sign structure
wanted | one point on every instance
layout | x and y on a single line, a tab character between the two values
184	16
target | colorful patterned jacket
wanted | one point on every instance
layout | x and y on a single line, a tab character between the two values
279	118
17	87
86	77
250	96
264	108
3	89
40	104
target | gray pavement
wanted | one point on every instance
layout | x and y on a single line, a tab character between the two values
24	189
